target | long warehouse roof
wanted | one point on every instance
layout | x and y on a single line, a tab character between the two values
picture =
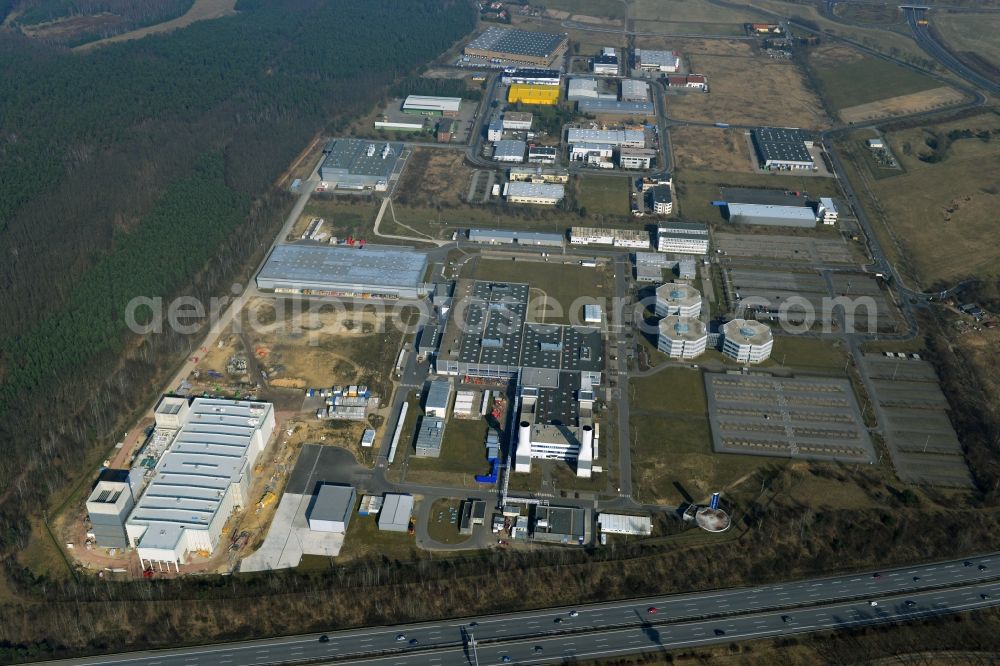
432	103
370	266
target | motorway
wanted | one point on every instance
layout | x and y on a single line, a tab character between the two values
924	37
623	627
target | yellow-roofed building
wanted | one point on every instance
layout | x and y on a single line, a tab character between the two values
533	94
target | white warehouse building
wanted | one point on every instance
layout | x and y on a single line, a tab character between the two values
202	477
682	337
546	194
683	238
677	298
747	341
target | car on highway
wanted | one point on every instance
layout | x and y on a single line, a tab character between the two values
873	603
652	610
413	641
538	648
400	637
877	576
984	596
786	618
720	632
982	567
473	624
574	613
910	603
916	578
324	639
558	620
505	659
968	563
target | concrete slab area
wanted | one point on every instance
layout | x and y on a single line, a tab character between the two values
812	418
784	248
289	538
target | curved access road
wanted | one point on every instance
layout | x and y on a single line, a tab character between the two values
623	627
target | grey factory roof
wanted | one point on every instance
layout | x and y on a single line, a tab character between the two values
518	117
779	144
611	106
544	190
509	148
495	333
421	102
633	88
396	512
605	59
747	332
438	394
334	502
791	213
513	235
684	228
682	328
340	265
208	453
429	436
659	58
361	157
613	137
517	42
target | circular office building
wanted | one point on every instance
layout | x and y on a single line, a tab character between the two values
747	341
677	298
682	337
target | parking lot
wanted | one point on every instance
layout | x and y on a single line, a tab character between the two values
804	296
813	418
393	113
784	248
921	439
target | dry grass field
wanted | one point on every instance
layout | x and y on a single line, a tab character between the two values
710	148
751	91
434	177
941	212
694	46
202	10
691	10
971	33
926	100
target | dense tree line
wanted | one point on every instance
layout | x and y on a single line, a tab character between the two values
419	85
146	168
135	12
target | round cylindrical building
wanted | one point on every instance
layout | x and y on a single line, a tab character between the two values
682	337
747	341
677	298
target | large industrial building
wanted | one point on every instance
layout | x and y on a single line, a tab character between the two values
110	503
633	238
769	207
534	48
615	138
682	337
612	107
537	175
430	436
531	76
344	271
636	158
606	62
747	341
517	121
682	237
509	151
332	508
544	194
542	154
493	340
566	434
677	298
581	88
617	523
202	477
432	106
780	148
657	61
634	90
395	513
357	164
524	93
515	237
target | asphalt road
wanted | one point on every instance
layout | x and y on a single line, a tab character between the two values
925	38
616	628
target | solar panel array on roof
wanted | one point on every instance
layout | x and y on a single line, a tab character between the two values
515	42
779	145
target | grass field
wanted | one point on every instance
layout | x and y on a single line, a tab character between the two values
869	13
939	213
697	189
365	538
342	217
611	9
439	523
677	390
462	451
973	33
803	353
710	148
434	177
691	10
603	195
734	29
551	284
849	77
749	91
